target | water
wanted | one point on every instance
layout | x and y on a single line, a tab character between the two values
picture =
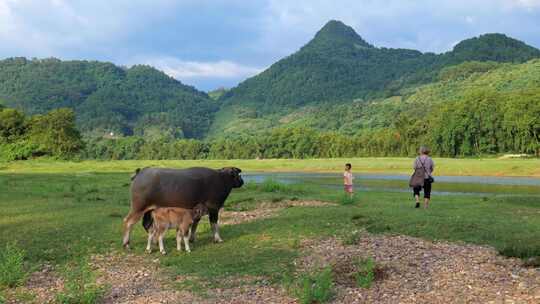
444	185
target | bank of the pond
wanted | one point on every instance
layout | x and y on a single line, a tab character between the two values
484	185
444	166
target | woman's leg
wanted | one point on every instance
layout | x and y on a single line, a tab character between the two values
416	193
427	193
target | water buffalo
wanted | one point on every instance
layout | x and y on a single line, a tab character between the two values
184	188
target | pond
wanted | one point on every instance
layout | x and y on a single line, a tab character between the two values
448	185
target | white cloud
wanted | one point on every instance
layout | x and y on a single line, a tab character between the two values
183	70
527	3
41	28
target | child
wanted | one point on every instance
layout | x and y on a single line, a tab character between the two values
348	180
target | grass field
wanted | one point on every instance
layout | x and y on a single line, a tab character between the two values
444	166
57	211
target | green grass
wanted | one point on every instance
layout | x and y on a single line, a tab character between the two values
315	287
444	166
55	216
366	273
12	272
79	283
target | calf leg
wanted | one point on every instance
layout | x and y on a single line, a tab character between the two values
131	219
150	238
186	242
179	236
213	216
193	230
161	246
186	232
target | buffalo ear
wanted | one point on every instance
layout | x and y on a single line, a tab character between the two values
230	170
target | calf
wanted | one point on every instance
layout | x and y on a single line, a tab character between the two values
157	221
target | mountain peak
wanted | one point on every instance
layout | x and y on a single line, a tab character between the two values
335	32
495	46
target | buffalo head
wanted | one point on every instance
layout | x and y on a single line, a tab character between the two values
232	175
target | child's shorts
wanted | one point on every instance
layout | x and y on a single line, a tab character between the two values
348	188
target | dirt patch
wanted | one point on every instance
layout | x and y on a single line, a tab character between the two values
133	279
264	210
346	268
42	286
419	271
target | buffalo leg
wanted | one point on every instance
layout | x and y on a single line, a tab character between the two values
213	216
131	219
192	236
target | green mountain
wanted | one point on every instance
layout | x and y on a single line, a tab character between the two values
217	93
338	66
106	98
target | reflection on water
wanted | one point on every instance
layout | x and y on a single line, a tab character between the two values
399	183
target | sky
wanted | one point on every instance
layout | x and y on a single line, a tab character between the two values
219	43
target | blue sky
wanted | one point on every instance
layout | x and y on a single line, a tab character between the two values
213	43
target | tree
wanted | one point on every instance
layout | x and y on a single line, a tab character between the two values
12	125
55	133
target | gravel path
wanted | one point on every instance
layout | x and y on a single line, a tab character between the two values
413	270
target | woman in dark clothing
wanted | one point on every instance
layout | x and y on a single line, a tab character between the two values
423	166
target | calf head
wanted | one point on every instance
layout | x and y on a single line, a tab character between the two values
232	176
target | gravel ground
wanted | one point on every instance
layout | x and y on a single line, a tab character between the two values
135	280
412	270
264	210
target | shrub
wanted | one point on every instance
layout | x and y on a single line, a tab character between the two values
366	273
271	185
79	284
19	150
274	186
316	287
12	272
352	238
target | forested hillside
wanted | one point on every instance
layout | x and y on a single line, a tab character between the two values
338	66
106	98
